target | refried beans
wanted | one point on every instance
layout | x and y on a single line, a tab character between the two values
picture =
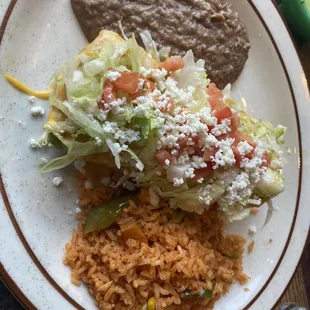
212	29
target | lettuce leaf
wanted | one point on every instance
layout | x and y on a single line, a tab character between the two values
74	150
192	73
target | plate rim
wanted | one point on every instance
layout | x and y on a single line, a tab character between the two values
26	302
308	233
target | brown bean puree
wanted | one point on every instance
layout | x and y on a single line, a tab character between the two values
211	28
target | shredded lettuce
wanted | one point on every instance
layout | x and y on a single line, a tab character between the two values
192	73
270	185
164	52
132	58
75	150
81	118
149	44
124	133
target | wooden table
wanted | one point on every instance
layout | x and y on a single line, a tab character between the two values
298	291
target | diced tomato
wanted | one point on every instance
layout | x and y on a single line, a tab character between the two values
238	136
215	103
150	87
162	156
235	122
128	82
222	112
199	151
237	155
108	94
214	92
266	160
172	63
219	108
139	93
202	172
182	143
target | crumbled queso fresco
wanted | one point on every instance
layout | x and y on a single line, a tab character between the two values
57	181
37	111
182	132
160	125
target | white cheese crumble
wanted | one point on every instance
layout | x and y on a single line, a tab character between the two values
78	210
33	143
276	164
178	182
167	162
222	128
224	156
57	181
37	111
140	84
210	140
198	162
102	115
206	196
98	141
244	148
189	173
252	230
179	96
32	99
112	75
157	74
116	106
122	135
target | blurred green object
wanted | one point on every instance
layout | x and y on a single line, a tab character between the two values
297	15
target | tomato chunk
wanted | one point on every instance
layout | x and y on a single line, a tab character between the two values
108	94
128	82
142	92
219	108
214	92
237	155
215	103
172	63
202	172
222	112
162	156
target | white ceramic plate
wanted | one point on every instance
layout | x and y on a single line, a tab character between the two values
36	218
